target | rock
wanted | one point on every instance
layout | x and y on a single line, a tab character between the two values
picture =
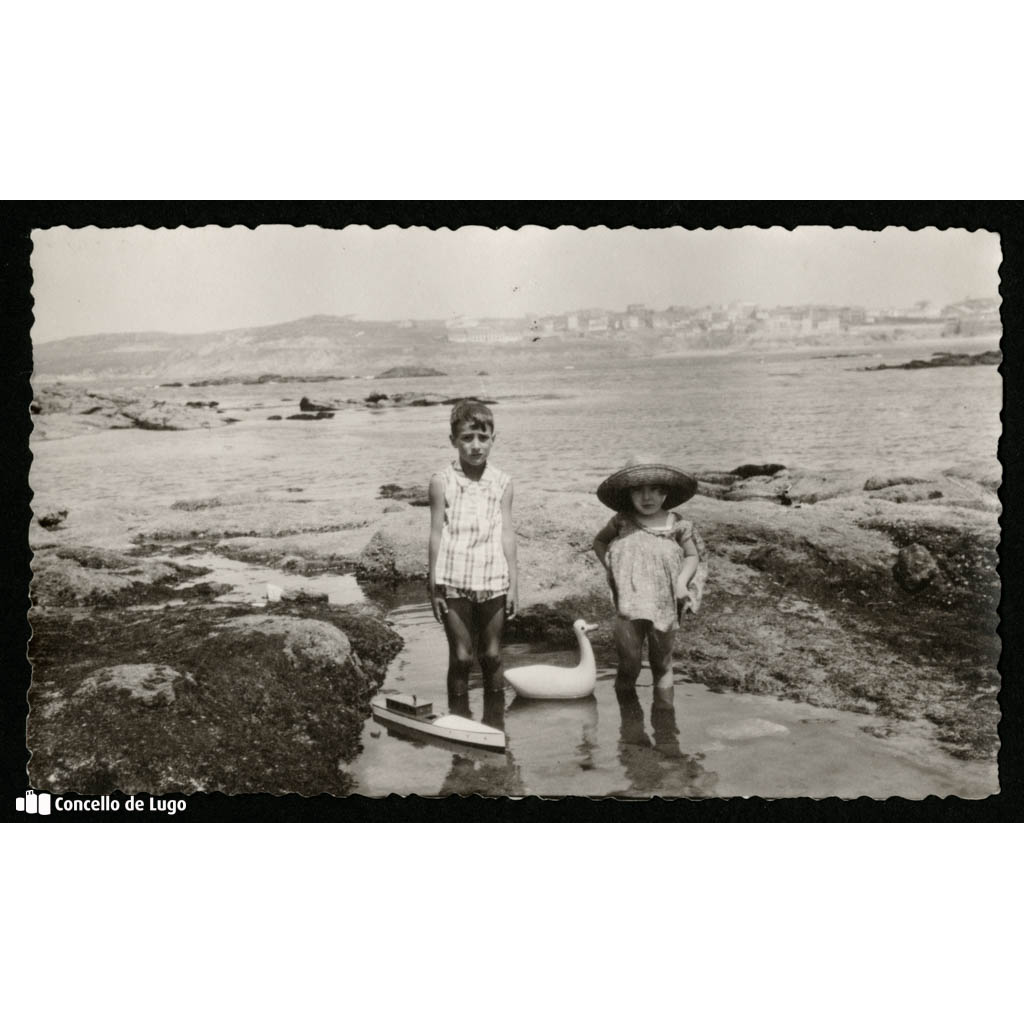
915	568
165	416
470	398
305	641
417	399
52	518
410	371
73	577
301	595
712	490
716	478
949	490
311	416
273	417
62	582
753	469
991	358
878	483
416	494
305	405
151	685
195	504
755	488
807	488
397	551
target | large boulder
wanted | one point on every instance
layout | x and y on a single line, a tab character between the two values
398	550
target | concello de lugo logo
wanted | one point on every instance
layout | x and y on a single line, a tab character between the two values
33	802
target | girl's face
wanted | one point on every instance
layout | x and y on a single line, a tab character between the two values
473	442
648	500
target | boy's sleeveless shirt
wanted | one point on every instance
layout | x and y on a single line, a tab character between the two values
471	556
644	564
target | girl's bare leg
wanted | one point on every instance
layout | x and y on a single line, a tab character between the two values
458	627
660	647
629	642
490	622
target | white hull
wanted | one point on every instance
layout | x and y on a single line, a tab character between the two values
453	728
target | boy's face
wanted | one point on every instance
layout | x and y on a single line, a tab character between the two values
473	441
648	500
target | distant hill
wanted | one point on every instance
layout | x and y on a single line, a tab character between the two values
316	345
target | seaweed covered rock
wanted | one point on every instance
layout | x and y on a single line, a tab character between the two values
915	568
201	698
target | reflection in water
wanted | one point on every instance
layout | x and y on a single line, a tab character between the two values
488	773
659	766
541	730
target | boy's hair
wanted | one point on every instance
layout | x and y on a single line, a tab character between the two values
475	414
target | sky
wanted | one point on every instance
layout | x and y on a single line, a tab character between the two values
182	280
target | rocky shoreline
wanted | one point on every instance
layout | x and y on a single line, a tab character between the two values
876	595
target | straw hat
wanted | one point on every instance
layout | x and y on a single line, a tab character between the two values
637	472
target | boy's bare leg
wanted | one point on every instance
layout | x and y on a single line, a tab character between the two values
660	647
458	627
629	642
490	622
494	709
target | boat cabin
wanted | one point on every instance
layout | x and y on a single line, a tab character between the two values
405	704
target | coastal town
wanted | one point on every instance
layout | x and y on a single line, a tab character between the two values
736	323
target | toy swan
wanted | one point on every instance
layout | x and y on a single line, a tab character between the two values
551	682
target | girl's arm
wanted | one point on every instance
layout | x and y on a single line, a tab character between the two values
436	493
508	545
604	537
691	562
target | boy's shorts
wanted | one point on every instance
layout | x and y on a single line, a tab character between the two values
476	596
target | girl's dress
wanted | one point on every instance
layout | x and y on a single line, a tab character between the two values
644	564
471	560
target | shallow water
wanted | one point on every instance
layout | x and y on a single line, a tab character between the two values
249	582
692	743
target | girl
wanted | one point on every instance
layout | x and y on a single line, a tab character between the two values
471	556
656	564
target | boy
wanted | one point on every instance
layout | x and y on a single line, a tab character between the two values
471	556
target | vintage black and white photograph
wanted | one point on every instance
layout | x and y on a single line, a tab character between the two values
597	512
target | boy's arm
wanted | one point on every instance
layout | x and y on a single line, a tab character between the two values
604	537
436	493
508	545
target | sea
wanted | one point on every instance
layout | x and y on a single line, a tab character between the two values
566	424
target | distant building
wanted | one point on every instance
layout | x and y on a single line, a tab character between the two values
588	320
973	316
487	332
627	321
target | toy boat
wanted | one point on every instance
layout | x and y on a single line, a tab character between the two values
553	682
405	711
